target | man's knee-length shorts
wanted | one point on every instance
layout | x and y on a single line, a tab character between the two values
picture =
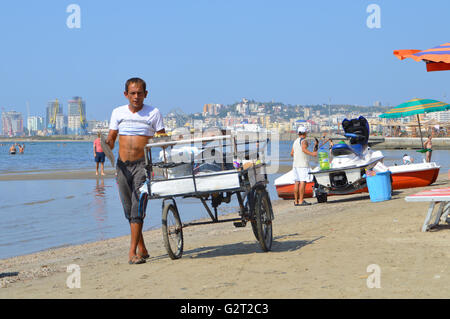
130	177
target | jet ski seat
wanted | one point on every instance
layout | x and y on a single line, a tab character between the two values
357	130
345	149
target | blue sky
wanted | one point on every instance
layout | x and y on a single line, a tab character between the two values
192	52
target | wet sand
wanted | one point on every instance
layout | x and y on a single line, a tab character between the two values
320	251
56	175
81	174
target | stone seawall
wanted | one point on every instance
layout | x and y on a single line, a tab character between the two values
388	143
442	143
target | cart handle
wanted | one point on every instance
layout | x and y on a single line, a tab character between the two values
188	141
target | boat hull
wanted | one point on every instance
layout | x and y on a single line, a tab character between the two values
401	179
413	179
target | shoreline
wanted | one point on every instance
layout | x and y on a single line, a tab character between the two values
319	251
80	174
390	143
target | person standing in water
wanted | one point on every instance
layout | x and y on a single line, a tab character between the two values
99	155
428	146
12	149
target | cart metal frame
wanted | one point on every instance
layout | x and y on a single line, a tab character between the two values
254	200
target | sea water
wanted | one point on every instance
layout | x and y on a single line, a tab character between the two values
41	214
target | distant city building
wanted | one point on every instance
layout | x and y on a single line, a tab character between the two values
12	124
52	107
243	107
35	124
253	107
76	117
377	103
440	116
99	126
306	112
211	109
61	124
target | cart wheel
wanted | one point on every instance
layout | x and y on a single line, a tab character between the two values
172	230
322	198
255	230
263	219
253	220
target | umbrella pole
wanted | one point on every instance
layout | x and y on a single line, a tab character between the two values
420	130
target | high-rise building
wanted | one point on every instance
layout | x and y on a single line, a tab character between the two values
61	124
53	106
34	124
12	123
76	117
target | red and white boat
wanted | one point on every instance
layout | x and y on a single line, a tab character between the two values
414	175
403	176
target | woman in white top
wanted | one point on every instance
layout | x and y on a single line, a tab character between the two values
300	166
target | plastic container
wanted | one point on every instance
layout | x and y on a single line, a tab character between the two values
379	186
324	162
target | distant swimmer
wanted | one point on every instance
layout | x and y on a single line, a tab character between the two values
12	149
21	148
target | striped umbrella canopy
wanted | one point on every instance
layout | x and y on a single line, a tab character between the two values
416	107
436	59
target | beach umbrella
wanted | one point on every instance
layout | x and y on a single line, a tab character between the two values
436	59
416	107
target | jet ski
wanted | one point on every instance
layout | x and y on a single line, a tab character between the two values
349	162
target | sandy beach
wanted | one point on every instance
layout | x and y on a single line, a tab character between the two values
320	251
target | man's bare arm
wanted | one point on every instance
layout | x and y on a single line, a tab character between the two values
305	149
111	139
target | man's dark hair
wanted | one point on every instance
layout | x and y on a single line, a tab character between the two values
135	81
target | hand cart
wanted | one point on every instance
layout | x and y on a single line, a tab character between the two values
237	175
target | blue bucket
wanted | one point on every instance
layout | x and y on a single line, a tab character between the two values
379	186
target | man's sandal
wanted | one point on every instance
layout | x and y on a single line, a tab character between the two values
135	260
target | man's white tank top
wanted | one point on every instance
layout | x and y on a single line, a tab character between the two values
300	158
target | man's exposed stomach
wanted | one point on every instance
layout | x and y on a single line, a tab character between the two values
131	147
